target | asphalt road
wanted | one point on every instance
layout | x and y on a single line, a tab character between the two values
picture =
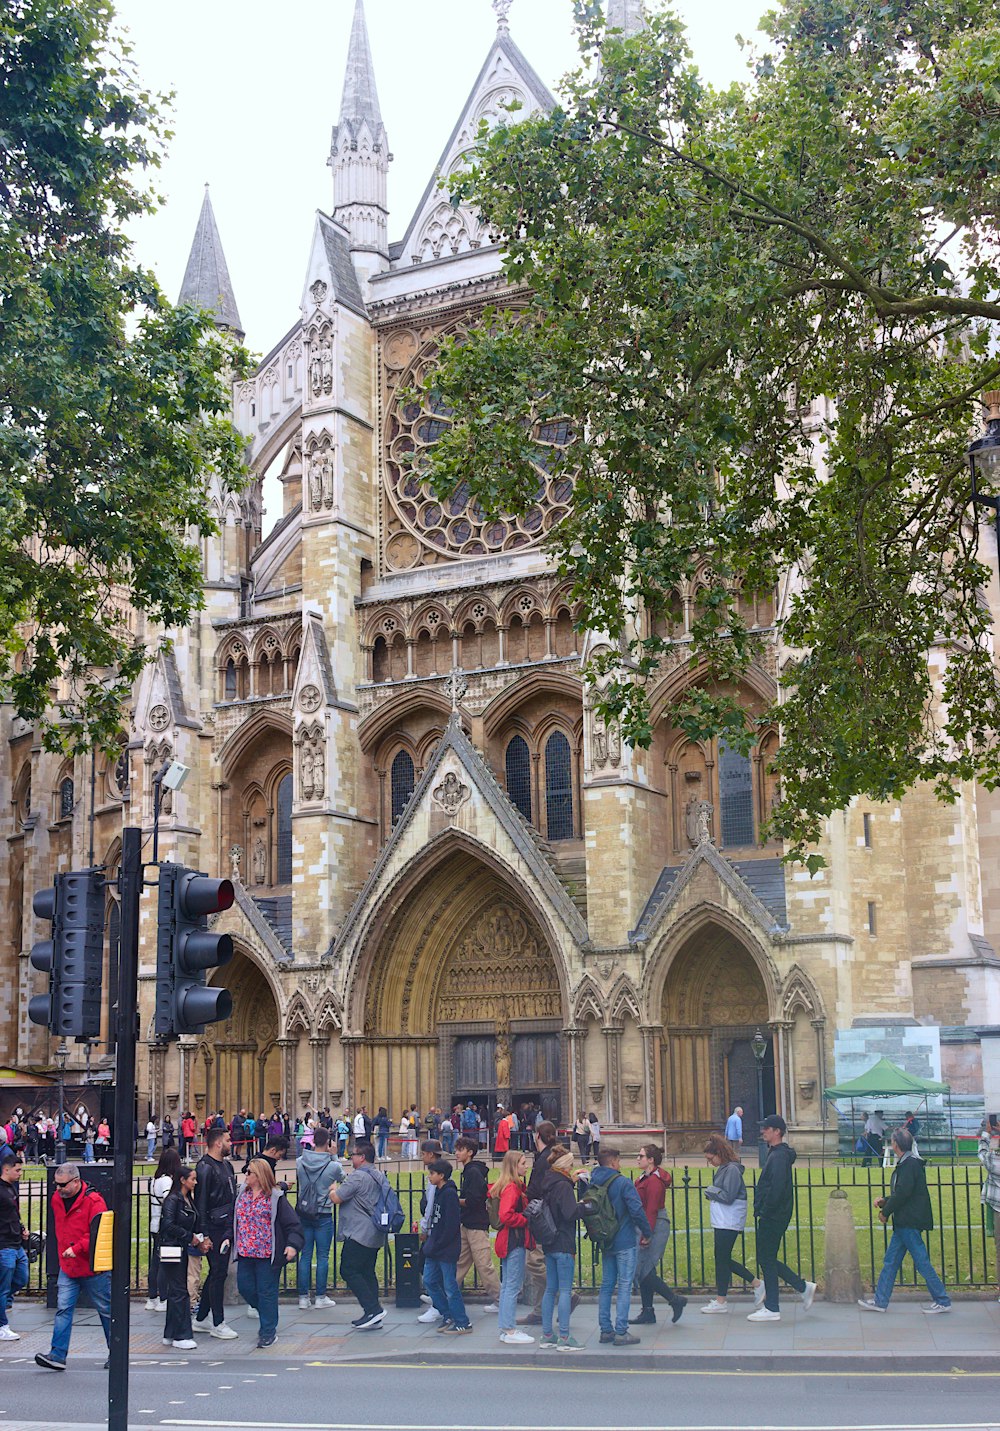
454	1394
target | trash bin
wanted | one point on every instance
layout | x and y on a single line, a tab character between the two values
407	1246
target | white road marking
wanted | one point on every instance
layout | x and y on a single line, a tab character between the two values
575	1426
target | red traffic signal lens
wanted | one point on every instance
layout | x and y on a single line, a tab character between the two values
198	895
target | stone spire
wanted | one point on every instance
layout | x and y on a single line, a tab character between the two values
626	15
206	279
359	153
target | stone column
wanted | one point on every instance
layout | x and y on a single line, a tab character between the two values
573	1080
319	1048
186	1049
613	1050
157	1080
820	1026
289	1048
652	1036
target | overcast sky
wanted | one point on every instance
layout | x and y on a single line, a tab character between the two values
257	89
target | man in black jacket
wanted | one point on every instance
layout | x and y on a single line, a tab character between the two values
909	1206
13	1236
773	1204
534	1265
215	1198
476	1249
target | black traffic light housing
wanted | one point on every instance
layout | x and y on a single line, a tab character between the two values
74	957
186	948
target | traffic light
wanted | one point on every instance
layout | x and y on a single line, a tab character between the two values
74	957
186	947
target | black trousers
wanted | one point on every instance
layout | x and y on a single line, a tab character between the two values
154	1265
652	1284
173	1281
357	1267
725	1268
214	1289
769	1235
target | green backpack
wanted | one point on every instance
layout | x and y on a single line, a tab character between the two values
601	1220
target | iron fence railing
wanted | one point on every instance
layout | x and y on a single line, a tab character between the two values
961	1246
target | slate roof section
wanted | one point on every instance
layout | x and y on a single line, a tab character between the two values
758	884
658	894
338	257
206	279
767	880
277	910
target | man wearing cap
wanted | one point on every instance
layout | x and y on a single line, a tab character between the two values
773	1204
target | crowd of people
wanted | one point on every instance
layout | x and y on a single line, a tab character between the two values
203	1217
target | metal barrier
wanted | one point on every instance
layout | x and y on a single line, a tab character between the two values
960	1246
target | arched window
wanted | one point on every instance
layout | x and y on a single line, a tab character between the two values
518	765
283	803
735	797
230	690
402	779
558	788
66	799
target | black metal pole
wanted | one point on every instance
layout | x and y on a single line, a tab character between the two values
128	974
761	1145
61	1053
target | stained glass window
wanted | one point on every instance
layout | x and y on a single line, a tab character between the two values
558	788
735	797
65	799
518	765
284	811
402	779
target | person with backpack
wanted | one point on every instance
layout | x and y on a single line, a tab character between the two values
545	1140
475	1222
508	1209
652	1189
75	1206
441	1252
554	1228
359	1197
266	1234
614	1216
315	1173
447	1134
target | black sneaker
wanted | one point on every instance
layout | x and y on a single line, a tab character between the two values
267	1341
678	1305
646	1318
372	1319
49	1362
607	1337
626	1339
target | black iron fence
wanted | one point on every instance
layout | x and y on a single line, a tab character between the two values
961	1246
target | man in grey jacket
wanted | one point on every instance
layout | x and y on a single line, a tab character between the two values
315	1173
357	1197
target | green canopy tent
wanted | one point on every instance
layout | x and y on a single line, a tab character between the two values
886	1079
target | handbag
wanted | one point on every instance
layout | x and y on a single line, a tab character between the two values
171	1254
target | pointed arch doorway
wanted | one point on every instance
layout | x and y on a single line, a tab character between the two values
238	1062
714	1001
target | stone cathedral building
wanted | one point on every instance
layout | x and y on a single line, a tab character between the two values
452	879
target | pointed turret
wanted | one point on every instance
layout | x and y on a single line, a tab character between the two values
206	279
359	156
627	16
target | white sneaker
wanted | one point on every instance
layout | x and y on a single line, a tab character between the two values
808	1296
431	1315
933	1308
250	1312
492	1307
152	1305
197	1326
8	1334
168	1343
304	1304
763	1315
429	1303
183	1346
869	1304
714	1307
161	1305
324	1302
516	1338
224	1333
759	1293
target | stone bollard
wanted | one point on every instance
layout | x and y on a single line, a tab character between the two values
842	1275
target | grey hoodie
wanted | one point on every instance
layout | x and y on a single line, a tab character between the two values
315	1166
728	1197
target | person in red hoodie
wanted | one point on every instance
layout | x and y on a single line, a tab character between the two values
501	1145
74	1208
514	1241
652	1189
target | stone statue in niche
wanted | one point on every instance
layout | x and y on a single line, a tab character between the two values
326	478
316	369
327	366
235	856
315	483
312	768
698	820
607	744
503	1053
259	862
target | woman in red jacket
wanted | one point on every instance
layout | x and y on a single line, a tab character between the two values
502	1141
652	1189
514	1241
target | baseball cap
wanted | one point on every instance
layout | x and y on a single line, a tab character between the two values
774	1120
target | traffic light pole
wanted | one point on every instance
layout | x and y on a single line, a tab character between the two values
128	977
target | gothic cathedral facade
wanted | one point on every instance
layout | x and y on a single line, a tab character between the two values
452	879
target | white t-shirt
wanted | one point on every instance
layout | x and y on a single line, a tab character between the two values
359	1125
150	1130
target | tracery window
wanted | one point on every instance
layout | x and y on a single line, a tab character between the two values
517	760
66	799
558	788
283	805
230	689
735	797
402	779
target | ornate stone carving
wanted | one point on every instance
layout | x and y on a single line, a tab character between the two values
320	477
451	794
235	856
159	718
596	1092
633	1090
259	862
503	1059
312	765
698	821
310	699
499	971
606	743
318	291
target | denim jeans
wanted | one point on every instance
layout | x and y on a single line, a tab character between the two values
318	1234
257	1279
618	1269
381	1140
13	1276
558	1282
150	1149
908	1240
444	1291
98	1290
510	1287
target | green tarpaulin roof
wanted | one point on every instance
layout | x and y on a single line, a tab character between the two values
885	1080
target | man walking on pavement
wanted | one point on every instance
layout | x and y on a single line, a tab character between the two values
619	1256
773	1204
74	1207
13	1236
315	1172
909	1206
476	1249
215	1199
534	1264
734	1129
357	1197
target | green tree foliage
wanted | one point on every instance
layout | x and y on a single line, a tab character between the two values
705	273
112	403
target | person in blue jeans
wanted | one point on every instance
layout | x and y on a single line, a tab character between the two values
909	1206
618	1260
381	1129
13	1236
74	1208
315	1173
560	1253
441	1252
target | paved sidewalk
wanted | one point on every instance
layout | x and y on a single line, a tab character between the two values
968	1337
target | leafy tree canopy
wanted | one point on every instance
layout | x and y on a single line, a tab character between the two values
112	403
766	312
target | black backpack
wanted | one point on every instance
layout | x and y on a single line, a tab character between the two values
309	1199
541	1222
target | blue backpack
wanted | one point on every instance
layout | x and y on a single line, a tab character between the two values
387	1214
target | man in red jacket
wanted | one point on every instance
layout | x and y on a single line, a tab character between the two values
74	1208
